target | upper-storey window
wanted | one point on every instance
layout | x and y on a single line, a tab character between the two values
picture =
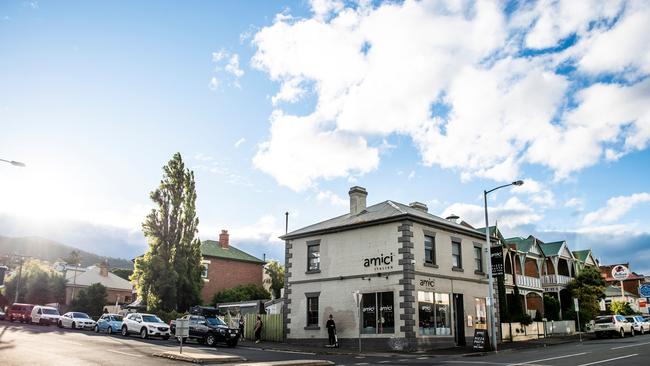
456	258
429	249
313	256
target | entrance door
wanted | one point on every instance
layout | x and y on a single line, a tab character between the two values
459	324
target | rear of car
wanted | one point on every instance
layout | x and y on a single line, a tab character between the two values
610	325
639	324
20	312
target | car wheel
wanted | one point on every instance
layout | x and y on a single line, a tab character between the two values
110	330
59	324
125	332
632	332
74	326
622	333
96	329
143	333
210	340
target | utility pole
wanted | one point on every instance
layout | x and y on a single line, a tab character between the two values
20	273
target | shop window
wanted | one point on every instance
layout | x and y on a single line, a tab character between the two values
378	314
313	257
456	258
481	321
434	313
312	311
478	258
430	249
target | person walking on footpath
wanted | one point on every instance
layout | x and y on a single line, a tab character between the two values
258	329
331	331
242	324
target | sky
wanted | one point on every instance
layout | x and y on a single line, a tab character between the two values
282	106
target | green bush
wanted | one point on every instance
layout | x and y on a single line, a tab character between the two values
91	300
551	308
241	293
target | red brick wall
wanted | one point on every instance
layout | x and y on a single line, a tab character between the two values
531	268
224	274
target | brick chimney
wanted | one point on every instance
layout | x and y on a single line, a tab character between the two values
103	269
224	239
357	199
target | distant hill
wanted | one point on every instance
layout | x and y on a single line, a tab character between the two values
51	251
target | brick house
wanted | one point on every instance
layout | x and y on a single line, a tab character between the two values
226	267
118	289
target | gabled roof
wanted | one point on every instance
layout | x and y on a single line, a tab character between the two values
552	249
494	232
525	245
386	211
581	255
92	275
211	248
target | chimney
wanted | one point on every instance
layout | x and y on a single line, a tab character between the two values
453	218
223	239
419	206
103	269
357	200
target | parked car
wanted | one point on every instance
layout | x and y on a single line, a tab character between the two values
20	312
45	315
611	325
110	323
146	325
76	320
209	330
639	324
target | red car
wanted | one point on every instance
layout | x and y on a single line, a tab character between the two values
20	312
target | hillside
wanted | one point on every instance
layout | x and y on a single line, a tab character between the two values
51	251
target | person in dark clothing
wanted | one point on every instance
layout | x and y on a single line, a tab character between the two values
331	330
242	324
258	329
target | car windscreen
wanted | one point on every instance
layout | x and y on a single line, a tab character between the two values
50	311
116	318
80	315
604	320
151	319
214	321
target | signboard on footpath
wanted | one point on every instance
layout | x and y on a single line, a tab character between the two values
480	342
496	260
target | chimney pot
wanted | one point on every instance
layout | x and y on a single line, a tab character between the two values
224	239
103	269
357	199
419	206
453	218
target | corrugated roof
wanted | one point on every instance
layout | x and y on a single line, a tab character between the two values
614	291
380	211
91	275
551	249
581	255
521	244
211	248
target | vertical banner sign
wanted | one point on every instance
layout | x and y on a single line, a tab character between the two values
496	259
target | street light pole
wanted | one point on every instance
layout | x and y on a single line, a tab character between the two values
490	302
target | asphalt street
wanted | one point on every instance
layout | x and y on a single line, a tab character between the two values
38	345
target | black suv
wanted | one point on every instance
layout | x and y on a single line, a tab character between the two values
206	327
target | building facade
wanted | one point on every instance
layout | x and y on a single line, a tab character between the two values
390	274
118	289
225	267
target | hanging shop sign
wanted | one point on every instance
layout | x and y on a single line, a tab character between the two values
496	259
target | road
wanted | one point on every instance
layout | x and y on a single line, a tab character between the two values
37	345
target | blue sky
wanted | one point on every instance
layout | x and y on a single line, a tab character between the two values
282	106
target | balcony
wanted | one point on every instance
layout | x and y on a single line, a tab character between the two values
523	281
554	280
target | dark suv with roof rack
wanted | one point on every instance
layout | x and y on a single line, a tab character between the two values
206	327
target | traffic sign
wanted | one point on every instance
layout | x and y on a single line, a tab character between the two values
182	327
575	305
620	273
645	290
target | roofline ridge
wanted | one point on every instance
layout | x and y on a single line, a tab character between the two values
393	205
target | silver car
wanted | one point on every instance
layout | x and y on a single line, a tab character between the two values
640	325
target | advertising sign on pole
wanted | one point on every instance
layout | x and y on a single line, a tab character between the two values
496	260
620	273
644	290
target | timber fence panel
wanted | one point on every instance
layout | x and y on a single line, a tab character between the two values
272	327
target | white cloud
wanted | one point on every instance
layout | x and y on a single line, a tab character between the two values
227	67
331	198
233	66
239	142
214	83
381	70
574	202
511	214
615	208
411	175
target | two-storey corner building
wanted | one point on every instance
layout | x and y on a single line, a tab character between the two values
420	278
523	262
225	266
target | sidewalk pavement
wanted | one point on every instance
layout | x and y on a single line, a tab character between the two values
455	351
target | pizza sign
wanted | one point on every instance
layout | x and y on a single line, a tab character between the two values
620	273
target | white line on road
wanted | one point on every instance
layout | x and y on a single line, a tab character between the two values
124	353
609	359
361	363
631	345
547	359
383	361
423	358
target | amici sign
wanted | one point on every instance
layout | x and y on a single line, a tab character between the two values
379	263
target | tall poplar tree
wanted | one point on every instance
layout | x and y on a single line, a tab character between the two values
168	275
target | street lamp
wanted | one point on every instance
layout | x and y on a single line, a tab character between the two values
490	302
14	163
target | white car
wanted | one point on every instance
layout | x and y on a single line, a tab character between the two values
639	324
611	325
76	320
146	325
45	315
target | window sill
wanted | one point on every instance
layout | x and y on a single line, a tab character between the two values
457	269
313	271
312	327
480	273
430	265
206	279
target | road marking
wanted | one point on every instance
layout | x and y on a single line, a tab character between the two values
609	359
124	353
359	356
631	345
361	363
423	358
384	361
547	359
403	360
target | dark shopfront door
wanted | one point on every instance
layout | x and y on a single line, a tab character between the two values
459	320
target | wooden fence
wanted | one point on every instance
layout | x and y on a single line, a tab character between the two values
272	329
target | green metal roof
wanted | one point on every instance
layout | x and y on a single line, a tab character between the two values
551	249
523	245
581	255
211	248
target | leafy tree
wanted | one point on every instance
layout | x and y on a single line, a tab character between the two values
74	258
517	306
551	308
91	300
241	293
38	284
276	277
621	308
122	272
589	288
168	275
